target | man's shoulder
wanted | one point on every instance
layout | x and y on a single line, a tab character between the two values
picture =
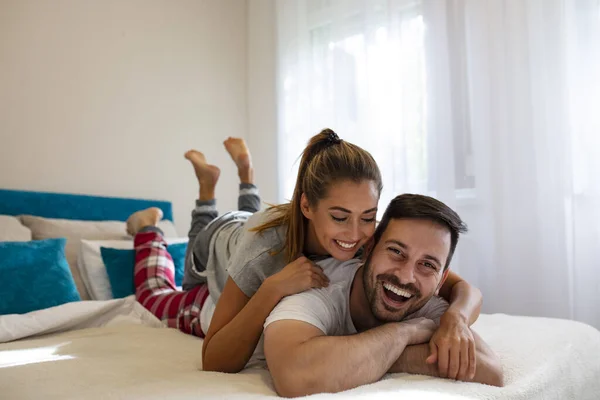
324	307
433	309
314	307
339	271
341	275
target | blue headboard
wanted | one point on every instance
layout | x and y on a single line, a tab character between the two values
75	206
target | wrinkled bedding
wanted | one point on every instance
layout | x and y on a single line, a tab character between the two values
116	349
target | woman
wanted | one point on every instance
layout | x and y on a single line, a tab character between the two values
252	261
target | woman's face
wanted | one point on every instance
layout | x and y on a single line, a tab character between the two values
343	221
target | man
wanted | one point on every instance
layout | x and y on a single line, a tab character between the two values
367	322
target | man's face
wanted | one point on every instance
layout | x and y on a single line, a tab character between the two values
406	267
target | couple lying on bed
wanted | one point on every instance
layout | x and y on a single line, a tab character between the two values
341	301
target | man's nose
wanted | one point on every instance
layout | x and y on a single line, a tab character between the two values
406	273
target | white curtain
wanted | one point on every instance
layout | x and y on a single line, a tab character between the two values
492	106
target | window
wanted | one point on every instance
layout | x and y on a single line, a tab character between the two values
362	72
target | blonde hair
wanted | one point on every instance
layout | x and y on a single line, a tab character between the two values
326	160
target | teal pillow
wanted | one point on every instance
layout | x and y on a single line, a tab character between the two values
36	275
121	263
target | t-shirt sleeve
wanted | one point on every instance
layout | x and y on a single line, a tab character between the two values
253	259
433	309
312	307
249	274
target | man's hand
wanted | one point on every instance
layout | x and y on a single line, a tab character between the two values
453	348
419	330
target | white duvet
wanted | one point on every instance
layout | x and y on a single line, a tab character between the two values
117	350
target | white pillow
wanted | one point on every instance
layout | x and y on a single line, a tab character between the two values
75	230
92	268
11	230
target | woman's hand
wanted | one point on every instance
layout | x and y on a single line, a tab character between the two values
298	276
453	347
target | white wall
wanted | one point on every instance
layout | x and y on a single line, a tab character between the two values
103	97
262	96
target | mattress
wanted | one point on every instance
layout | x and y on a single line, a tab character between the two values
116	349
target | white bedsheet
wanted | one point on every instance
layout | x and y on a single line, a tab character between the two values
77	315
116	350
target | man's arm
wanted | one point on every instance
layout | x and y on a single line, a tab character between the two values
303	361
465	300
489	368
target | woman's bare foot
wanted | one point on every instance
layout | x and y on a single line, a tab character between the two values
240	154
140	219
207	174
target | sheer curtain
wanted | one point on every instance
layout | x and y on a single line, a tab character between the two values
492	106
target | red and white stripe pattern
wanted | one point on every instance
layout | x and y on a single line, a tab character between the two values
154	280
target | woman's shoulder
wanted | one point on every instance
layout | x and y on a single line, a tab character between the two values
257	254
253	243
263	217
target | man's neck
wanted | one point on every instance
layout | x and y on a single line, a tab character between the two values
360	309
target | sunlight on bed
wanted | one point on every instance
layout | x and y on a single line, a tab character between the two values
15	358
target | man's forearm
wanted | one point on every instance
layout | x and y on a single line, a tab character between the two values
345	361
412	361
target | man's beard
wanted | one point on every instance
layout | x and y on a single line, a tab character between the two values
388	314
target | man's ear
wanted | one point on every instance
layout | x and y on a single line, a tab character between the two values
444	276
305	207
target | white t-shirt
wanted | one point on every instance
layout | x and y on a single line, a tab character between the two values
328	309
319	307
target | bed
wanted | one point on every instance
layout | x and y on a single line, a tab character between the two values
116	349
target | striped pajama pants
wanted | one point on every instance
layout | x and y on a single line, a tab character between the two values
154	273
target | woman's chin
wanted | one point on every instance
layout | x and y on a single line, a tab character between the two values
342	254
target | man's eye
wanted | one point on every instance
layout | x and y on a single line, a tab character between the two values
430	265
395	251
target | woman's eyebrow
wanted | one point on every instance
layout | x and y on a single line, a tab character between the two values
350	212
340	209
